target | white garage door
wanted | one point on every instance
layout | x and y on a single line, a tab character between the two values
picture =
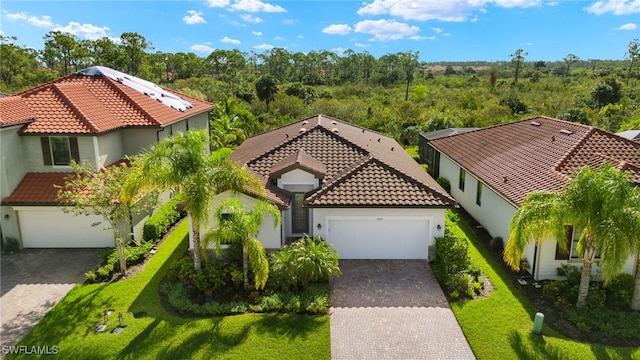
379	237
52	228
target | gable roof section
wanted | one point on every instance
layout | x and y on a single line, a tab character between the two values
14	111
534	154
299	160
341	147
92	104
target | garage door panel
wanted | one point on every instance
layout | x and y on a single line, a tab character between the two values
379	238
55	229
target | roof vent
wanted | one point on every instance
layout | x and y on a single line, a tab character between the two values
286	136
553	138
504	179
302	130
535	123
566	132
363	131
378	139
392	148
335	130
305	122
333	122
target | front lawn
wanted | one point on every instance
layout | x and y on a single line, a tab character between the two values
152	332
499	326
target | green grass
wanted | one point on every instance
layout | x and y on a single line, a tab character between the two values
152	332
499	326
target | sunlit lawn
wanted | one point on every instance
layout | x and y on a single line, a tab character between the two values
499	327
152	332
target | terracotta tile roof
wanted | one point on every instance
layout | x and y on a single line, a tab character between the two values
341	147
13	111
90	104
37	188
300	159
534	154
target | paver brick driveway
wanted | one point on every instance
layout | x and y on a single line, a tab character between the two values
33	281
392	309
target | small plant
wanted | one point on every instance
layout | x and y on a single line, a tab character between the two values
572	273
446	184
524	264
11	245
620	291
497	243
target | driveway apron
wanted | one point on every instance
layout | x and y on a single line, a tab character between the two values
33	281
392	309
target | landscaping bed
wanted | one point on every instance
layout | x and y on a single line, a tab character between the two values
622	327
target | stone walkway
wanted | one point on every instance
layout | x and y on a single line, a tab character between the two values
392	309
32	281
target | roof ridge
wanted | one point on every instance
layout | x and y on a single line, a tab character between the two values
127	99
74	109
41	87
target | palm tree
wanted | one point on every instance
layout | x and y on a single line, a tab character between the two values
231	124
598	203
236	225
182	163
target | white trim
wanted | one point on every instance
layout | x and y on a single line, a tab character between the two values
96	152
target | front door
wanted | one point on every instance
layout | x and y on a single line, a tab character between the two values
300	218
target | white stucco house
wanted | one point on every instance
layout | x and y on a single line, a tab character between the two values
355	188
491	170
98	115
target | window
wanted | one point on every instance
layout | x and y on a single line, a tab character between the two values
300	221
479	194
59	150
571	237
463	175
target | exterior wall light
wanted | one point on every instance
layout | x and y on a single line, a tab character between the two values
6	216
319	226
439	227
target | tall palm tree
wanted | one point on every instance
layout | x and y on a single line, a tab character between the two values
236	225
266	88
182	163
598	203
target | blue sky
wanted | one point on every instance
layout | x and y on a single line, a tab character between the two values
441	30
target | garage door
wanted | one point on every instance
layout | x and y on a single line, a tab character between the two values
379	237
52	228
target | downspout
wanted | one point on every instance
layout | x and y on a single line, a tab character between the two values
535	264
158	135
96	152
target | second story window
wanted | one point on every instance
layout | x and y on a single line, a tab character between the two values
463	175
479	194
59	150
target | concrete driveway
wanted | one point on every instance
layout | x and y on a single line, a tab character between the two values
33	281
392	309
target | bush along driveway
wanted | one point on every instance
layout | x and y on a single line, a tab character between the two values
500	326
153	332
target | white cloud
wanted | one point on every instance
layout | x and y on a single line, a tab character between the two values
300	37
263	47
194	17
84	31
251	19
629	26
339	51
202	48
253	6
289	21
257	33
229	40
39	21
278	38
337	29
437	30
361	45
617	7
450	10
416	38
218	3
384	30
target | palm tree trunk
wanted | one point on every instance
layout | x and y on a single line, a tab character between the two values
245	266
635	301
585	278
197	256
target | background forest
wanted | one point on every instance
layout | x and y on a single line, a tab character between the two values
395	94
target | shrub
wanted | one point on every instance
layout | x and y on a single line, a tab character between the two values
572	273
454	270
162	219
560	293
134	254
597	296
306	261
446	184
497	243
619	291
11	245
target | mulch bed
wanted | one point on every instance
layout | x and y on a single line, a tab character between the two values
552	316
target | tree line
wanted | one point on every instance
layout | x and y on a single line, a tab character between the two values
395	93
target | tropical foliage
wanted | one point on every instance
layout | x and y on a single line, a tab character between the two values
183	164
234	224
601	204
